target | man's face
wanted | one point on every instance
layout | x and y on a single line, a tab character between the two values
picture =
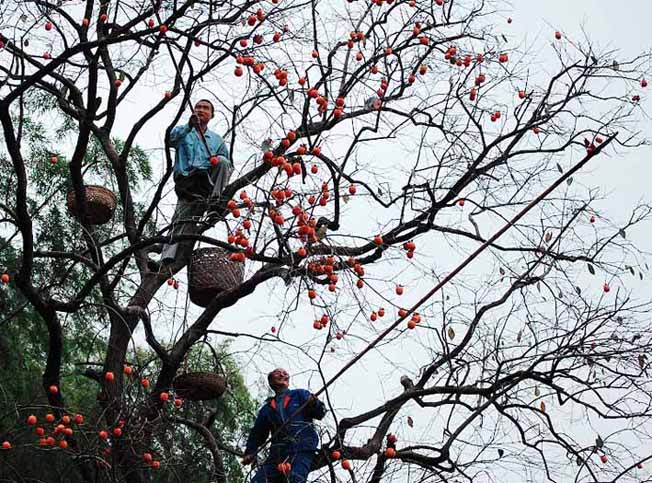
279	379
203	111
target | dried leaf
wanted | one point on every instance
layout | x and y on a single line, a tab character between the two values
578	290
537	393
501	270
266	145
345	198
548	237
519	336
542	406
451	333
591	269
559	168
598	442
622	233
632	271
501	452
410	421
578	460
569	181
640	275
641	361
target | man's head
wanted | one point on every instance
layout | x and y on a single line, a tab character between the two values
279	380
204	110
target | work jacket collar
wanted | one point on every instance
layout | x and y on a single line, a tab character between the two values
283	398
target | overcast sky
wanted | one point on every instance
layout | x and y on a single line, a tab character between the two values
611	25
625	178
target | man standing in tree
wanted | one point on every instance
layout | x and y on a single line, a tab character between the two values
294	439
201	171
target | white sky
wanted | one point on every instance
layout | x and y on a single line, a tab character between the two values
623	26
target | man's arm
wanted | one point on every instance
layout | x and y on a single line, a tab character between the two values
178	133
314	407
258	435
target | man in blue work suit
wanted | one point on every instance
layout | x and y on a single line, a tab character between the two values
294	439
201	171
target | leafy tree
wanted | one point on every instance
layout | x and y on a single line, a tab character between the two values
24	344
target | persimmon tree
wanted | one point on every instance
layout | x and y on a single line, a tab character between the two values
376	145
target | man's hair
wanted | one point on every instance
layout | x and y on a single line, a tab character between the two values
209	103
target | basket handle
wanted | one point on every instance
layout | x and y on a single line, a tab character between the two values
218	368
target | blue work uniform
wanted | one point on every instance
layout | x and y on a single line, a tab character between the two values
294	439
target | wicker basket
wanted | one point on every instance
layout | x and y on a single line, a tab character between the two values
199	386
100	204
211	272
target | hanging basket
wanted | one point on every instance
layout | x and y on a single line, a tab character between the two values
211	272
100	204
199	386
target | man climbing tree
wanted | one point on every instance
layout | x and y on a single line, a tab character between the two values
288	417
201	171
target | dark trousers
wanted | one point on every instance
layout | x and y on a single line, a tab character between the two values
193	201
301	463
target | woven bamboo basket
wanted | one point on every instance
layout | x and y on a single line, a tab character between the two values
211	272
100	204
199	386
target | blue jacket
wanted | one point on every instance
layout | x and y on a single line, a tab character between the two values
297	435
191	152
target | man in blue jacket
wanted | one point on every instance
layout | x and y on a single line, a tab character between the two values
201	171
294	440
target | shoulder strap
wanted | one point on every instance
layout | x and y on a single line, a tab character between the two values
286	402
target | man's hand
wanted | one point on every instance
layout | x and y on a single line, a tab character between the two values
248	459
194	120
311	401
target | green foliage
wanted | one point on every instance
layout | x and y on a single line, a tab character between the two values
182	448
24	337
